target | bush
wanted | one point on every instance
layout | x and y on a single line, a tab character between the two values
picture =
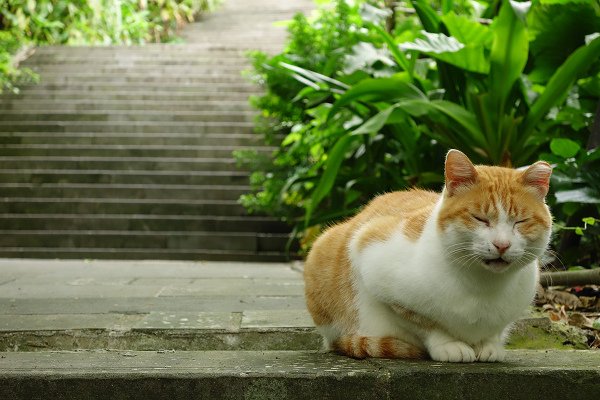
487	81
78	22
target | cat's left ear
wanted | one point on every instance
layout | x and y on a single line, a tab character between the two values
537	177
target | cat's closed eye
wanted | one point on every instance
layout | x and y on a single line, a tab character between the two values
521	221
481	219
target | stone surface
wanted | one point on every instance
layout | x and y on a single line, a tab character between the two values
158	112
291	375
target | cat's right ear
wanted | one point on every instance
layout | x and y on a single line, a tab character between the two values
460	172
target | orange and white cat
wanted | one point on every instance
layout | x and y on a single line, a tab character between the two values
419	274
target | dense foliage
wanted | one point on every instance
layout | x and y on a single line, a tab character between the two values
364	101
24	22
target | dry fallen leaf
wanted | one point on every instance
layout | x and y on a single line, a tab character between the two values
579	320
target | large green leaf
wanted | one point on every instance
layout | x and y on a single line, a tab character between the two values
378	89
332	166
560	83
448	49
508	56
375	123
468	31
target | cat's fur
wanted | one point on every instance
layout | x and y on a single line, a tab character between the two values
417	274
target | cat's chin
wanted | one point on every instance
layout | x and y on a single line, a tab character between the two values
497	265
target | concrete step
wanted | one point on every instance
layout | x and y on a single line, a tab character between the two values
138	222
41	176
123	191
233	67
290	375
34	93
120	150
205	80
165	240
130	139
96	253
120	163
164	116
39	105
90	205
125	127
158	86
200	60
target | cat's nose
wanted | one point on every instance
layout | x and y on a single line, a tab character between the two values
501	245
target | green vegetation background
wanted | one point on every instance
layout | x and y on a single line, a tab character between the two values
77	22
366	99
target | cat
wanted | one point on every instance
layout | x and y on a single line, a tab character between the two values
417	274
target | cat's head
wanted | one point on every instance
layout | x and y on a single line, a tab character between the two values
493	217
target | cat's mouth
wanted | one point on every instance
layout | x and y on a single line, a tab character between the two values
496	264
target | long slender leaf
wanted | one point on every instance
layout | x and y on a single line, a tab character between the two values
398	55
429	18
315	76
508	56
332	166
559	84
388	89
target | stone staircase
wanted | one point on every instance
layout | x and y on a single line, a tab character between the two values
126	151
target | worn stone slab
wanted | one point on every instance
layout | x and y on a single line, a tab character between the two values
144	269
239	287
16	323
277	319
187	320
292	375
12	290
148	304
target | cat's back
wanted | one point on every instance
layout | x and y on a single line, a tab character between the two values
327	269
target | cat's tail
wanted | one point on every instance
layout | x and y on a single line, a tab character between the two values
357	346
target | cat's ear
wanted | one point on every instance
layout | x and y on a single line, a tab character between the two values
460	172
537	177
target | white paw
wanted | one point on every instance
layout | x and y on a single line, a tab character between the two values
452	352
491	352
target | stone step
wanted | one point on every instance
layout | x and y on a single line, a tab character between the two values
204	80
232	68
147	60
120	163
119	150
164	116
96	253
39	105
138	222
40	176
89	205
128	139
125	127
123	191
193	241
35	93
291	375
158	86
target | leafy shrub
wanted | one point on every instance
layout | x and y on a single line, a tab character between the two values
487	81
87	22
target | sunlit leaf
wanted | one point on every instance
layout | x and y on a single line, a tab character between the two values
564	147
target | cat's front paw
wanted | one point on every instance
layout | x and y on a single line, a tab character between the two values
452	352
490	352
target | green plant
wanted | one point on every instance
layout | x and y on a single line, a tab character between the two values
78	22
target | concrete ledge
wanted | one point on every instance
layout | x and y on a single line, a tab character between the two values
292	375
